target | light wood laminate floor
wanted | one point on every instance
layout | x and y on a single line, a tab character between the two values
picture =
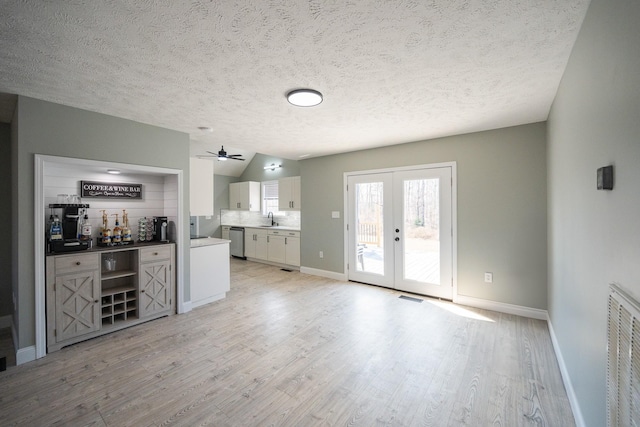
285	348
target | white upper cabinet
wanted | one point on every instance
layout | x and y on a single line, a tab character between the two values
200	187
244	196
289	194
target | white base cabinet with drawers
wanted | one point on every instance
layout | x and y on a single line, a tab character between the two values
276	246
107	289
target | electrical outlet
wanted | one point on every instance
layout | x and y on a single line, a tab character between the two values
488	277
321	254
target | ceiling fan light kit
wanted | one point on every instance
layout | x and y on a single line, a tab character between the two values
304	97
223	156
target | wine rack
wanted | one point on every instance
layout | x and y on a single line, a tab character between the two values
119	301
118	304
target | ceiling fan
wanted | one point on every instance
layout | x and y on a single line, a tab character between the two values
223	156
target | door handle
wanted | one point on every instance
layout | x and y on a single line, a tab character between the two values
397	239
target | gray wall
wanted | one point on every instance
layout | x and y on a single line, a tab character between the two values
594	235
6	304
211	226
255	170
501	208
47	128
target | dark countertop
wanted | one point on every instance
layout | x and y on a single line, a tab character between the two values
97	248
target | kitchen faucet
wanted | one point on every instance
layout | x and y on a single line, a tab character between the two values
272	221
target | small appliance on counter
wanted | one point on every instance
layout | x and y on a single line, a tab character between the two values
63	234
160	225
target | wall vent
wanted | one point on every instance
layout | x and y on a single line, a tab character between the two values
623	360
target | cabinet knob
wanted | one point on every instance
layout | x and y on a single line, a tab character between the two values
142	291
77	262
155	253
96	301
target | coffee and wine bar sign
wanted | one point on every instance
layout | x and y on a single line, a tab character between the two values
110	190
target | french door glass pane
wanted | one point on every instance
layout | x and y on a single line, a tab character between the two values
422	230
369	229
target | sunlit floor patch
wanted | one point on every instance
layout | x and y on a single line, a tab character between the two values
460	311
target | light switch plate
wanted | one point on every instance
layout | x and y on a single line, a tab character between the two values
335	214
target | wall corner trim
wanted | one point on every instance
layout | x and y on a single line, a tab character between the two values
566	379
324	273
502	307
186	307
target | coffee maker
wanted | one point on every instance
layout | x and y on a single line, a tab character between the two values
70	219
160	225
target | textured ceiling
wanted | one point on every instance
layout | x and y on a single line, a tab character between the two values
390	71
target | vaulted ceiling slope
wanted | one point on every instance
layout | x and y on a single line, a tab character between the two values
390	71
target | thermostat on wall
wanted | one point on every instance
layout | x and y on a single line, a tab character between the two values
605	178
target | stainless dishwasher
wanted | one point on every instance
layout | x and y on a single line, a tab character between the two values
236	248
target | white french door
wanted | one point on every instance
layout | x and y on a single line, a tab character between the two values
401	230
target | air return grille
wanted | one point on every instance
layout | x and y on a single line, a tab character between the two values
623	361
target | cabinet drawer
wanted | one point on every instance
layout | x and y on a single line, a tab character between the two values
77	262
284	233
154	254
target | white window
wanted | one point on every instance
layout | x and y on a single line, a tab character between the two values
270	197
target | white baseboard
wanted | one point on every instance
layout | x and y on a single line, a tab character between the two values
207	300
566	379
186	307
23	355
5	321
27	354
324	273
518	310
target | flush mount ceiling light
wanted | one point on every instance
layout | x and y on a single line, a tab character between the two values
304	97
113	171
272	167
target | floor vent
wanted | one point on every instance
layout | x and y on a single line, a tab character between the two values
410	298
623	359
286	269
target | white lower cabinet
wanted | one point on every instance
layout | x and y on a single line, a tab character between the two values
225	231
255	243
278	246
292	248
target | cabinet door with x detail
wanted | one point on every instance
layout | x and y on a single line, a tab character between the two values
155	288
78	302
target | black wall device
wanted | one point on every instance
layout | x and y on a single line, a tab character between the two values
605	178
